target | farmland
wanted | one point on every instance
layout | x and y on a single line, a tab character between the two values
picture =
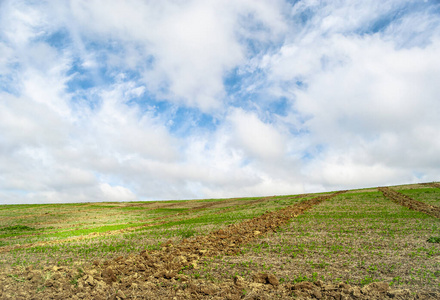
358	244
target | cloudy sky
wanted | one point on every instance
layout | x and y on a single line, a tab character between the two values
105	100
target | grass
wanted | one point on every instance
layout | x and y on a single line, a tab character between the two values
358	237
426	194
66	233
434	239
17	228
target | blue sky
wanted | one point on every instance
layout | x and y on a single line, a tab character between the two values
150	100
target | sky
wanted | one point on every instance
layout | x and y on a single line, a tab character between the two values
108	100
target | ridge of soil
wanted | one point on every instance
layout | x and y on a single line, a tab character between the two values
158	273
410	203
129	229
432	184
261	200
212	204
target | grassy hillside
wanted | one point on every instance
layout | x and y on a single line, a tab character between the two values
357	237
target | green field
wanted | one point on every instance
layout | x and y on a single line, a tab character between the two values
357	237
60	234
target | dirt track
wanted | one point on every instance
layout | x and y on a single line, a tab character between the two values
122	273
432	184
157	274
406	201
119	231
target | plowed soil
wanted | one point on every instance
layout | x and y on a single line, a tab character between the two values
158	274
407	201
433	184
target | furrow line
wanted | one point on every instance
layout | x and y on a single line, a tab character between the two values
135	274
432	184
410	203
167	262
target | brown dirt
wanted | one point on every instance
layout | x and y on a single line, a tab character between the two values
432	184
409	202
258	201
119	231
48	214
235	202
157	272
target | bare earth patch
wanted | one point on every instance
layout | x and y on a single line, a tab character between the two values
407	201
334	246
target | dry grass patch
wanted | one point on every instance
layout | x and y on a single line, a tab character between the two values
355	238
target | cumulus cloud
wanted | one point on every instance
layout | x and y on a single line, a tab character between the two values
365	99
190	45
256	138
137	100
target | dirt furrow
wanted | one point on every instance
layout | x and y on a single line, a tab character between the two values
239	205
113	232
211	205
256	202
432	184
155	274
167	262
409	202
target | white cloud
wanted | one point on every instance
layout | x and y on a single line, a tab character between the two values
123	129
256	138
20	22
193	43
380	89
116	193
91	94
371	112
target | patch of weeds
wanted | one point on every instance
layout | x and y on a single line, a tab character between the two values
183	269
247	264
169	210
320	265
434	239
266	267
187	233
153	247
210	277
372	268
17	228
301	278
16	278
74	282
284	279
85	231
396	280
366	280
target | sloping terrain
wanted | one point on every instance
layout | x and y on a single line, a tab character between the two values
181	266
407	201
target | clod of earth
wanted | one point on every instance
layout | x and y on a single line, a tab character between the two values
155	274
162	266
